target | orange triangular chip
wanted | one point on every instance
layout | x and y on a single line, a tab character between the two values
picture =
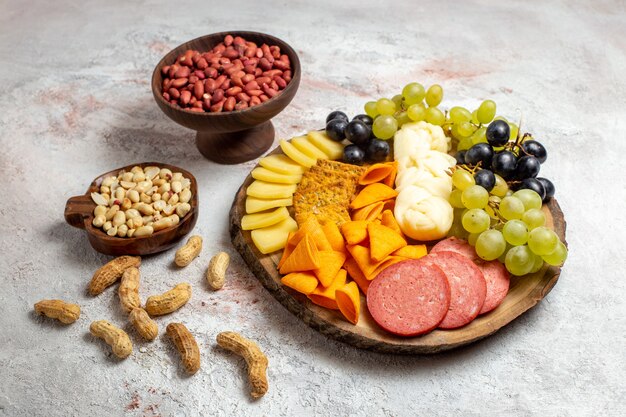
312	227
369	212
305	257
356	274
330	264
383	241
412	251
391	178
325	296
348	300
370	268
334	236
303	282
289	247
354	232
372	194
389	220
375	173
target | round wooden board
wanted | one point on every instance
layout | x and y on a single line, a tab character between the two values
524	293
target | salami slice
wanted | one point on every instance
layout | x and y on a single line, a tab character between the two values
409	298
497	279
454	244
467	287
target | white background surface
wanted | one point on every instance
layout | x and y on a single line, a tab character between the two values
75	101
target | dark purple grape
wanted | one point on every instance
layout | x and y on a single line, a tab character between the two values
549	186
336	115
365	119
527	167
485	179
498	133
481	152
536	149
535	185
336	129
354	155
358	133
504	163
460	157
377	150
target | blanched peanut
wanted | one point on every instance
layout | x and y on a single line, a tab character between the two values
99	211
143	231
133	196
165	222
151	172
122	230
111	212
108	181
145	209
130	233
120	194
119	218
145	198
139	176
127	177
164	188
99	221
126	204
185	195
159	205
182	209
132	213
177	176
177	186
112	231
165	173
173	200
156	197
106	226
136	169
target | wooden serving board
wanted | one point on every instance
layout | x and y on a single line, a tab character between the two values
524	293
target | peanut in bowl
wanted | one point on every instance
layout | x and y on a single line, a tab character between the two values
159	226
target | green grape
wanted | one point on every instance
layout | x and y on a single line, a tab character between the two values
519	260
475	117
490	244
413	93
502	257
454	130
515	232
370	109
465	129
475	197
457	231
435	116
537	265
385	126
558	257
475	220
434	95
486	111
530	198
462	179
542	241
509	193
464	144
514	131
397	100
459	115
455	198
511	208
534	218
500	188
471	238
416	112
479	136
385	106
402	118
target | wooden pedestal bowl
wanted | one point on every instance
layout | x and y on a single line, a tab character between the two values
79	213
236	136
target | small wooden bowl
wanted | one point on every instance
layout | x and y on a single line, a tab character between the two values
79	213
236	136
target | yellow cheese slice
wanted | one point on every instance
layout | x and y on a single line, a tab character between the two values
273	238
281	164
265	219
265	174
333	149
270	190
292	152
254	205
303	145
